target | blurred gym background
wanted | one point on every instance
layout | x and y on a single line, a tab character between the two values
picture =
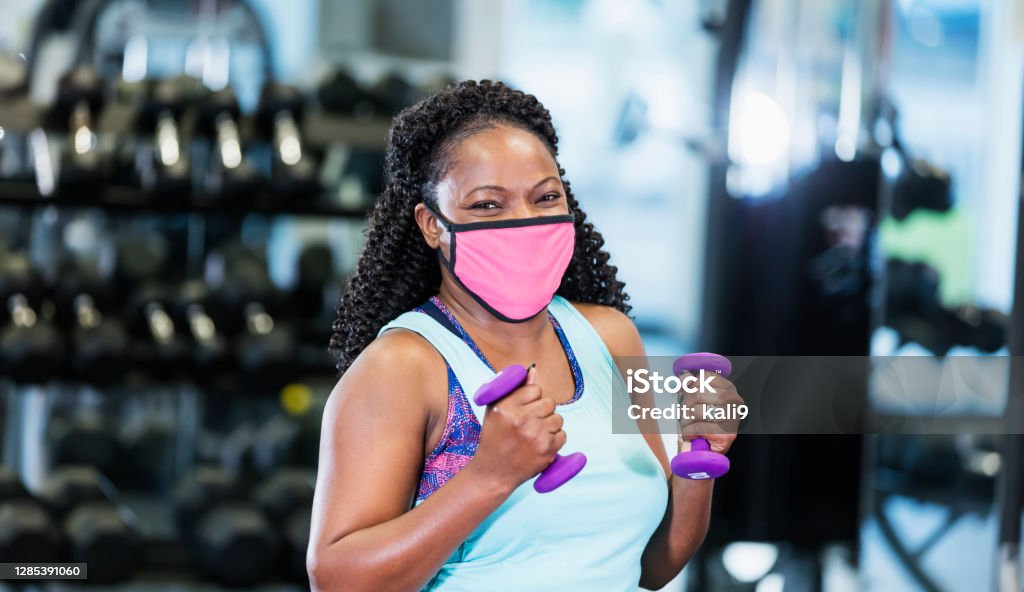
183	187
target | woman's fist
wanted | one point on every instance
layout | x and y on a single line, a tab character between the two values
520	436
720	434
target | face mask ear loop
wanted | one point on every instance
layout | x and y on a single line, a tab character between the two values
446	225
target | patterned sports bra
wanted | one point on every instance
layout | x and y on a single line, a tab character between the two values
462	430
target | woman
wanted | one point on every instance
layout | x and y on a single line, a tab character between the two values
479	241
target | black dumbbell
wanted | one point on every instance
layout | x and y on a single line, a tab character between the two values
392	93
164	159
231	539
11	486
141	257
315	277
283	441
78	102
341	94
314	296
286	499
247	307
31	348
161	348
293	171
149	448
234	450
230	173
211	356
99	340
296	540
128	100
98	529
87	439
27	533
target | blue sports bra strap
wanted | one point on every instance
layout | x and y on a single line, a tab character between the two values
586	342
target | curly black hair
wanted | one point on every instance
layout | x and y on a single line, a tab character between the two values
397	269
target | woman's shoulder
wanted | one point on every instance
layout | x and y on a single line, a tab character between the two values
617	330
395	364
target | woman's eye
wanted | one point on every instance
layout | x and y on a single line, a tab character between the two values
551	197
484	205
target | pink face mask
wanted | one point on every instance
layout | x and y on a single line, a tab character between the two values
510	267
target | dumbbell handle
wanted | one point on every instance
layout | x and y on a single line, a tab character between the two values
563	468
700	462
21	311
287	141
167	139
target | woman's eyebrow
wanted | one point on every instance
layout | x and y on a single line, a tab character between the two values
501	189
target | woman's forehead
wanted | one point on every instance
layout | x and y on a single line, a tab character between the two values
504	156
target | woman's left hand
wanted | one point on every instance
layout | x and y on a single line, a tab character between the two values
720	433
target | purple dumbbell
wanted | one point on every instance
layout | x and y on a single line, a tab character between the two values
700	462
562	468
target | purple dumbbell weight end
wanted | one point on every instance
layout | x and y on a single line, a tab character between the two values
700	462
501	384
702	361
562	468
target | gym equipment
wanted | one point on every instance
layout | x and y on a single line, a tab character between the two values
31	349
11	486
260	449
563	468
286	498
392	93
211	354
98	529
287	490
293	173
161	348
68	486
232	540
315	275
914	310
164	163
234	450
27	533
247	301
79	99
99	342
85	440
317	289
105	537
700	462
296	539
340	94
283	441
141	256
230	174
149	446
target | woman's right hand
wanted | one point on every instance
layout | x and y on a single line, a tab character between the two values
520	436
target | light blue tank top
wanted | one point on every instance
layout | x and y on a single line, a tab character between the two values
588	534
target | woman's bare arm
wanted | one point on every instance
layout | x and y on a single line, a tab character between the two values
364	535
688	513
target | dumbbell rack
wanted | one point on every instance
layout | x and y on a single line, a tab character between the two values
28	412
319	130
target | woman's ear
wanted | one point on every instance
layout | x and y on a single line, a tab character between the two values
429	226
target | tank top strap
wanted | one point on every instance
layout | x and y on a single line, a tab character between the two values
468	368
586	342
